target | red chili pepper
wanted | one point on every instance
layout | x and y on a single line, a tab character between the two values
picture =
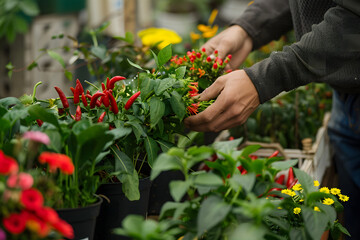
107	82
83	99
274	154
114	106
79	86
290	181
105	99
61	111
101	118
280	179
76	95
78	113
39	122
131	100
72	90
88	96
94	99
114	80
103	86
63	98
98	103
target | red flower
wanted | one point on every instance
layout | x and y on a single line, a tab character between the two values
194	91
57	160
193	108
65	229
8	165
203	50
48	215
215	66
15	223
36	225
31	199
208	59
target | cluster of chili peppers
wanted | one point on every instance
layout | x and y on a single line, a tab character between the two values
105	98
200	65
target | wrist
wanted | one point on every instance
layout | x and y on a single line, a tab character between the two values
242	34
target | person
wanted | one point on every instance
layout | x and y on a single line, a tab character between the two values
327	50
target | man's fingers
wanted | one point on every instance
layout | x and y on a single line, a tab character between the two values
213	90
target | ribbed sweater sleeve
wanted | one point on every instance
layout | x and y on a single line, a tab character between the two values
265	20
330	53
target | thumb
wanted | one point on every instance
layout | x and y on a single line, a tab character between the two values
214	90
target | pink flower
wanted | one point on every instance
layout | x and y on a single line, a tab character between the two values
37	136
22	180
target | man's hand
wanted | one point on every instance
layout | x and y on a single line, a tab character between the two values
236	99
233	40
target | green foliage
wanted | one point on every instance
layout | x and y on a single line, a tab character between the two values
221	201
14	17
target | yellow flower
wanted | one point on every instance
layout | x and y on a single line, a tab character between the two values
316	209
297	210
324	190
208	31
158	36
316	183
212	16
301	200
335	191
328	201
288	192
343	198
194	36
297	187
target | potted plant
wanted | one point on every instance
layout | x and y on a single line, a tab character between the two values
77	140
239	195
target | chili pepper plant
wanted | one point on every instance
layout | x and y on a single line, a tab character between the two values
240	195
72	141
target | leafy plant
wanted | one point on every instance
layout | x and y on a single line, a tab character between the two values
239	195
13	17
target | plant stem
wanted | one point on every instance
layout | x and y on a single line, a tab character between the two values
92	85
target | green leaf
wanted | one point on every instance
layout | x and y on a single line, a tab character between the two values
245	181
152	149
46	115
249	150
134	65
29	7
99	51
227	146
186	141
21	24
212	211
305	180
157	110
180	72
298	234
146	85
178	189
329	212
282	165
138	130
248	231
68	75
315	222
155	58
123	164
163	85
129	38
179	208
165	146
120	132
164	55
32	65
130	185
163	163
57	57
177	104
208	179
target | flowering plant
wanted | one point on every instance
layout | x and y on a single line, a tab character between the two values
200	67
143	115
24	210
237	194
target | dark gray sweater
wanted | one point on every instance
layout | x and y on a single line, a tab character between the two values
328	49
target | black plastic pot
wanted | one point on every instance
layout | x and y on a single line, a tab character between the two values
82	219
160	190
113	213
